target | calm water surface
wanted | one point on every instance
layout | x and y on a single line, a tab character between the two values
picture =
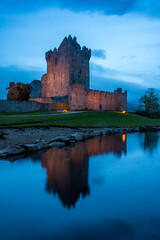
105	188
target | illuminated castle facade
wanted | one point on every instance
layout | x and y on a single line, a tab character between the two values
66	83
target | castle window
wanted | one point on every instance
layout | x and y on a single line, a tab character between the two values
71	98
55	60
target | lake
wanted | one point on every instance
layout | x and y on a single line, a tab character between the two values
103	188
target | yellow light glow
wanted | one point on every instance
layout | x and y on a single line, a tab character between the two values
64	111
124	137
124	112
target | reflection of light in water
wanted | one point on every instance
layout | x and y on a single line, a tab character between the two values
124	137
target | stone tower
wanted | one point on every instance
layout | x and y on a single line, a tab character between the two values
66	65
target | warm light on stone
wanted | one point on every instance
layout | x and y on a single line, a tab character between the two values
67	81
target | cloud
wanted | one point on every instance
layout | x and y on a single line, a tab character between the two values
108	7
135	91
98	81
124	38
128	58
99	53
146	79
107	79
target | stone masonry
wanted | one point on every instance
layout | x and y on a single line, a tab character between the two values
67	81
66	65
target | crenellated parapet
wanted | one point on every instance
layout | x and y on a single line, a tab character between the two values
104	93
82	99
68	45
68	75
86	52
66	65
51	55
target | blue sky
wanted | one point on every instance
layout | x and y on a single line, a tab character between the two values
124	36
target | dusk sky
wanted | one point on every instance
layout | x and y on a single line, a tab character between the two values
124	36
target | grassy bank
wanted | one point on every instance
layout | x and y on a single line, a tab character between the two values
85	119
155	115
28	113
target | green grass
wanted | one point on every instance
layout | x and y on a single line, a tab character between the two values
85	119
28	113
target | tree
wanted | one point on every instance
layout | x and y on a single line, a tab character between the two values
150	101
19	91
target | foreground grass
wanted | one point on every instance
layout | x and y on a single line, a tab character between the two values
28	113
85	119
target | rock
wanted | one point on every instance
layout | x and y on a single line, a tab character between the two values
77	137
62	139
97	133
118	130
12	150
57	144
104	132
42	145
135	129
88	135
108	132
142	129
30	147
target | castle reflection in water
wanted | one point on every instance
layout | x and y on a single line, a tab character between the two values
68	168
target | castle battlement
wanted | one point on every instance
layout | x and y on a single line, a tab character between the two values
66	65
51	55
104	93
68	45
67	81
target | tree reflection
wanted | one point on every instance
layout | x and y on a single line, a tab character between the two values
68	168
149	141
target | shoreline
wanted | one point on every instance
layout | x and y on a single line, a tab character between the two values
27	140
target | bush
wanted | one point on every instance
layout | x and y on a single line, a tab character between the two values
153	115
19	91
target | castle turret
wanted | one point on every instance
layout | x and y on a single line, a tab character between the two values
66	65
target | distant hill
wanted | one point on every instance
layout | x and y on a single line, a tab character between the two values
132	107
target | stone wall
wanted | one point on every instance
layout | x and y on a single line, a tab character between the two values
24	106
42	100
81	99
65	66
77	98
51	100
111	101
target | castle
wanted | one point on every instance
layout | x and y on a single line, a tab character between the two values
66	85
